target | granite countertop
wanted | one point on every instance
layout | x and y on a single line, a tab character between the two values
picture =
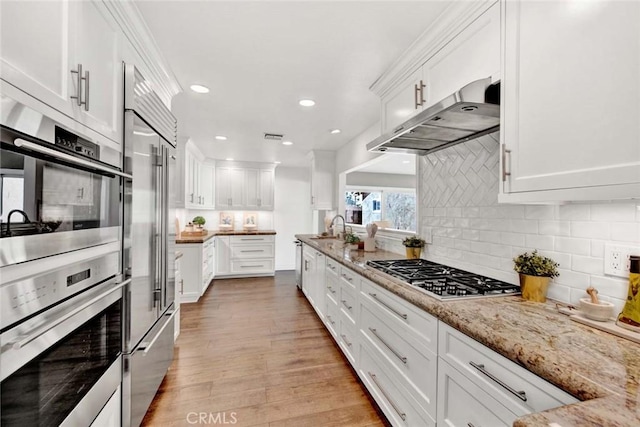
600	369
213	233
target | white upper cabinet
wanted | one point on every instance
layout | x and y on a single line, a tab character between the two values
206	186
230	188
43	42
570	101
322	185
42	27
460	54
244	186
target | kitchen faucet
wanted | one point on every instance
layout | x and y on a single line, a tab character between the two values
25	220
344	225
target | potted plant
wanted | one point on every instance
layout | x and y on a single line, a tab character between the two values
352	240
535	272
413	245
199	221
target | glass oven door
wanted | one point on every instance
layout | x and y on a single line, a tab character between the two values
44	384
54	200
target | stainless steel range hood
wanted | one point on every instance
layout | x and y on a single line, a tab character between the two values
470	112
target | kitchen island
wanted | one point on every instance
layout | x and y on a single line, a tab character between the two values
599	369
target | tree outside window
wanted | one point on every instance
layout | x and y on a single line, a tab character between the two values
397	207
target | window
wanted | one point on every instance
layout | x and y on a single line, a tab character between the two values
396	206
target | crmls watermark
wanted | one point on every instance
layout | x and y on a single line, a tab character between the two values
220	418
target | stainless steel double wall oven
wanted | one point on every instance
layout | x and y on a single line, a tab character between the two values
61	287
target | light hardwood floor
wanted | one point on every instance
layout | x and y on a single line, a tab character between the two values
252	352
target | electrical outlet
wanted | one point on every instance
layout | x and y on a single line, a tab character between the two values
616	259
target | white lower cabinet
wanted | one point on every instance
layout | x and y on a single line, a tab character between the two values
418	369
249	256
399	406
197	269
500	379
461	403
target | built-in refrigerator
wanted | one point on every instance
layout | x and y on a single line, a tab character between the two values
148	244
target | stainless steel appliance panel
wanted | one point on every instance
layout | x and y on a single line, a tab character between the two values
148	365
169	230
145	262
298	263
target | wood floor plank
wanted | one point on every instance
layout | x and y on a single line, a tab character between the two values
254	351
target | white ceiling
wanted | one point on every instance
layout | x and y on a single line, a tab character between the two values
260	58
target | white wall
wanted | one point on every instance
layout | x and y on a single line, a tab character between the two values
292	214
467	228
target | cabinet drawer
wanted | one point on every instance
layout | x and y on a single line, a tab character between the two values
348	340
332	320
397	404
332	285
255	266
349	277
414	363
463	403
251	239
333	266
400	313
261	250
348	303
521	391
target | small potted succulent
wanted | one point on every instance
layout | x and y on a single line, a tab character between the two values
413	245
199	221
535	272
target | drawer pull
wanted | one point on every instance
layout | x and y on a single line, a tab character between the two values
331	289
344	302
253	250
395	353
251	266
519	394
332	322
386	396
393	310
344	338
347	277
258	239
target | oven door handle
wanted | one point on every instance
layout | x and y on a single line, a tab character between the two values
23	340
19	142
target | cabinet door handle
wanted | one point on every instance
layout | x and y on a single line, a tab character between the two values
86	91
421	90
78	96
306	265
386	396
519	394
393	310
191	200
346	341
182	286
505	173
331	321
415	97
251	266
395	353
344	302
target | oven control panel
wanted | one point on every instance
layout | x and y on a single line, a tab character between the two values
76	144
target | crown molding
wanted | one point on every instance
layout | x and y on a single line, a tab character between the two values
157	69
455	18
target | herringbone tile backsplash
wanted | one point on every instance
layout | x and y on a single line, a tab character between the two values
467	228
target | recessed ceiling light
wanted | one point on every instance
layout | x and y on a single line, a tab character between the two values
277	162
336	131
406	162
199	89
229	159
287	143
307	102
221	138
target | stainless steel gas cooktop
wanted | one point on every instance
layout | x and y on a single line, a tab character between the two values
444	282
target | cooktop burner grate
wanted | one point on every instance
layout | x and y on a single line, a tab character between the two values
443	281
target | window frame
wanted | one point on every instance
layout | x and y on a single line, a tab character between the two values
383	191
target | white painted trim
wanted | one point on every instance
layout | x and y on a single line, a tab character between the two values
130	20
450	23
